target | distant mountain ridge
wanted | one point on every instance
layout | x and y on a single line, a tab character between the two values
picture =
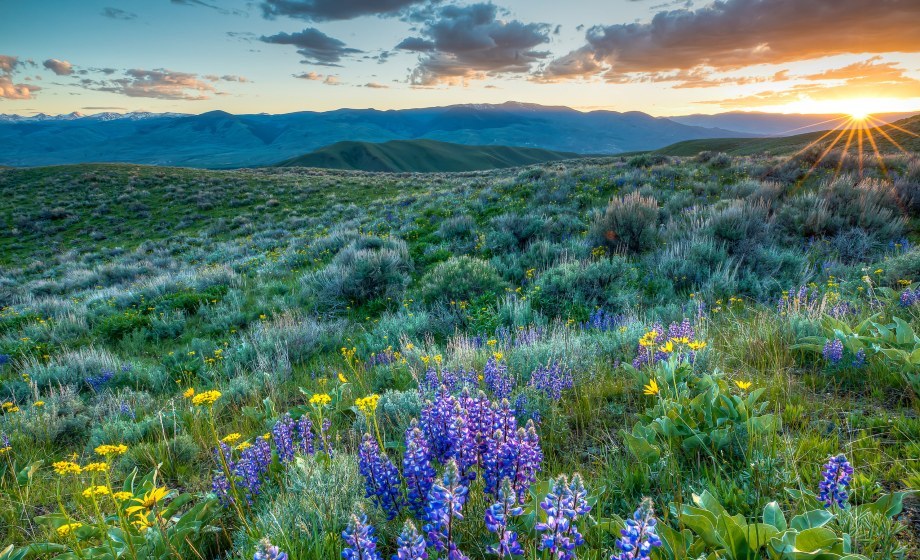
422	156
220	140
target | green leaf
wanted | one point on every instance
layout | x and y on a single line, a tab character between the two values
811	519
773	515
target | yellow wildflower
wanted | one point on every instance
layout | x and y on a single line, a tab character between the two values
230	439
67	529
107	450
244	445
368	404
743	385
498	355
652	388
437	359
95	491
667	347
66	467
96	467
266	436
189	393
207	398
320	399
342	378
122	496
697	345
38	404
149	500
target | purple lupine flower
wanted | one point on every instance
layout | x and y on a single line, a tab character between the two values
126	409
436	419
564	504
411	544
220	484
417	469
859	359
908	297
252	466
283	436
517	457
551	380
833	351
221	487
837	476
360	540
479	419
268	551
496	377
445	509
497	518
305	435
324	444
465	450
5	359
98	381
640	535
381	477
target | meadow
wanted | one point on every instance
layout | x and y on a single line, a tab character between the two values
649	356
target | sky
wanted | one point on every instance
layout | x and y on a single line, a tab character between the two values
662	57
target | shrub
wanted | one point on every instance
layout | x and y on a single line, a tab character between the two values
461	279
742	226
630	224
608	283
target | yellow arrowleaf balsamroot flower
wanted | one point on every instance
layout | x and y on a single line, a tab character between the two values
667	347
743	385
64	468
95	491
106	450
96	467
342	378
649	338
142	523
189	393
368	404
230	439
207	398
697	345
149	500
320	399
652	388
65	530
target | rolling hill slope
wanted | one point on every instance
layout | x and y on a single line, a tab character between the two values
904	133
421	156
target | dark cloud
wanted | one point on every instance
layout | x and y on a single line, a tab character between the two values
731	34
9	89
59	67
471	42
115	13
328	10
159	83
314	46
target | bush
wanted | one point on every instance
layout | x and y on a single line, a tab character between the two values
608	283
629	224
741	226
461	279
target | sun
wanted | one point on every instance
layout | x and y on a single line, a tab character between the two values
858	114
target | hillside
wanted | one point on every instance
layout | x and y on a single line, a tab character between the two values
905	134
222	140
421	156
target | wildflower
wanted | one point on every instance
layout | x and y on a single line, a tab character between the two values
5	446
651	388
95	491
495	375
417	468
497	518
122	496
639	535
381	477
517	456
243	445
96	467
207	398
320	399
106	450
564	504
189	393
142	523
283	435
859	359
149	500
696	345
360	540
67	529
230	439
551	380
411	544
268	551
743	385
342	378
833	351
837	476
63	468
368	405
667	347
445	507
38	404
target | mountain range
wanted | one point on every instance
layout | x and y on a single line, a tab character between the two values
222	140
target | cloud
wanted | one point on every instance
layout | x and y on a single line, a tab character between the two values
327	79
375	85
59	67
732	34
471	42
159	83
203	4
329	10
9	89
226	78
314	46
115	13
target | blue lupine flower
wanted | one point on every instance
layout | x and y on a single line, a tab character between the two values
5	359
411	544
464	448
417	469
517	457
497	519
837	476
908	298
381	477
445	508
551	380
268	551
252	466
859	359
98	381
437	419
360	540
833	351
564	504
640	535
283	436
305	435
126	409
497	379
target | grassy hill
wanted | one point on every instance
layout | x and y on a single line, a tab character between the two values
906	133
421	156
